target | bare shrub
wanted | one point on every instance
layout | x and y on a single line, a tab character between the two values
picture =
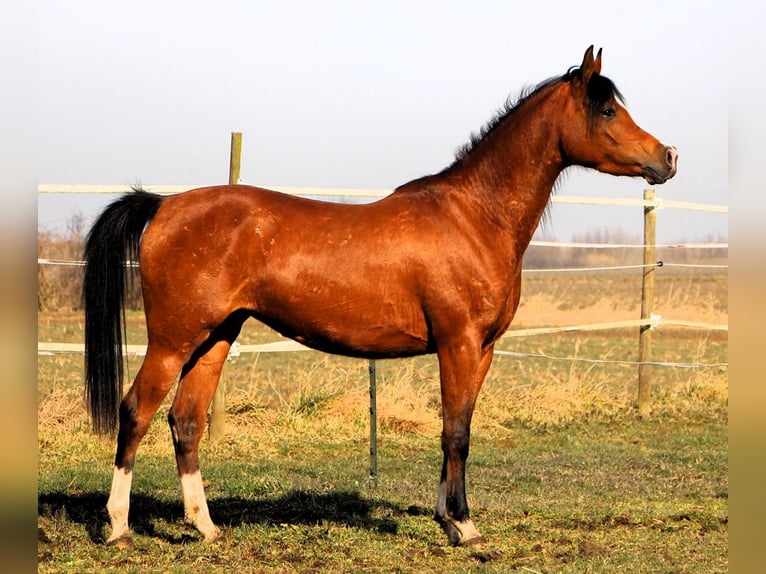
59	284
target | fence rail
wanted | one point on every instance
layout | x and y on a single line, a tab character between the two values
288	345
378	193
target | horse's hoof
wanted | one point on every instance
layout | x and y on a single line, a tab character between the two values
121	541
478	542
456	537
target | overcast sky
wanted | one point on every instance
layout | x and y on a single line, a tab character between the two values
361	94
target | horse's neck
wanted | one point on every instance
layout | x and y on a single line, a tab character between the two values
512	172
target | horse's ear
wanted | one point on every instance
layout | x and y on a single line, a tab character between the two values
588	65
597	63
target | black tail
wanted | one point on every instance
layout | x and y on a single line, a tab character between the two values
113	242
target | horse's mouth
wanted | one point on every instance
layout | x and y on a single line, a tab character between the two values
654	177
668	167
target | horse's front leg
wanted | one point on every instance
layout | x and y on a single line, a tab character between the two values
462	371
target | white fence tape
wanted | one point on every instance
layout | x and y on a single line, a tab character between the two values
613	361
68	263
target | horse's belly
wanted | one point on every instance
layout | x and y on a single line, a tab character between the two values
371	343
367	331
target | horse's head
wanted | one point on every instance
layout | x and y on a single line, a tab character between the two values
601	134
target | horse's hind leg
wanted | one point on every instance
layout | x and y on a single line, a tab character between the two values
199	380
155	377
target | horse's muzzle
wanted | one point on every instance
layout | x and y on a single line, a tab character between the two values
664	170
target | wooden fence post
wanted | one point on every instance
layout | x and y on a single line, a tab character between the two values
647	305
218	408
235	158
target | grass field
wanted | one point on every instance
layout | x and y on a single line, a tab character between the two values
563	475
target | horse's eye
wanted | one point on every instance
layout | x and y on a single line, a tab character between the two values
608	113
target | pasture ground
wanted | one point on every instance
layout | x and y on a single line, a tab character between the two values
563	475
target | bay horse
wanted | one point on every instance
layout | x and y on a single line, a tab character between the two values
434	267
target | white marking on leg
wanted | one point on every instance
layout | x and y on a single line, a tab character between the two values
195	506
458	533
118	506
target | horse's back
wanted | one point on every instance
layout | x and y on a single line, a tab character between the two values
343	278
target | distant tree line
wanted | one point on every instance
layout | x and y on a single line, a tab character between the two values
538	257
59	287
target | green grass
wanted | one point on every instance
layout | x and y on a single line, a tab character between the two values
644	496
563	475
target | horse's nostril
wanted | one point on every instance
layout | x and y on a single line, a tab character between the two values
671	154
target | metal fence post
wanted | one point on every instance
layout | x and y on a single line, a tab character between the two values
373	426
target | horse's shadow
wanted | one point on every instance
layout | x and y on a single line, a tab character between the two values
295	507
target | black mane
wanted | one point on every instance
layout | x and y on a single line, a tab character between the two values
600	90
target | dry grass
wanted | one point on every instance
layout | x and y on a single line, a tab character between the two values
408	403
